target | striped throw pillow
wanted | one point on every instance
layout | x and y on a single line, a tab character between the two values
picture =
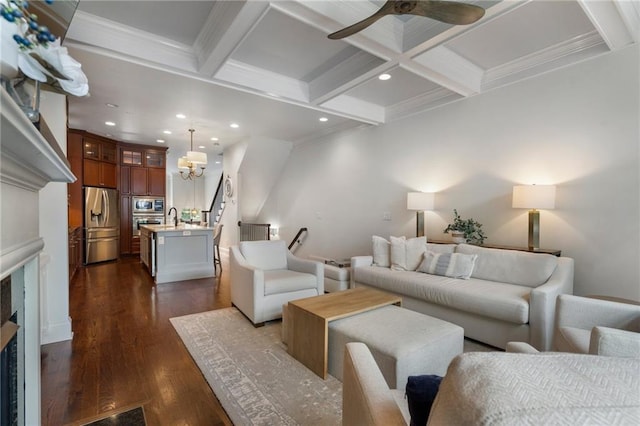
453	265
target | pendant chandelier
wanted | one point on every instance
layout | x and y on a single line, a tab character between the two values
191	161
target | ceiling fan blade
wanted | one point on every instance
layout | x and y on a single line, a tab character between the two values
449	12
386	9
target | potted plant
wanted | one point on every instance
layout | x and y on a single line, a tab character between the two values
465	230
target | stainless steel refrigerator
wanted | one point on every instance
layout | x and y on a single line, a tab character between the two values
101	224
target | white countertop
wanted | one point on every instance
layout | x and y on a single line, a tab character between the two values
180	227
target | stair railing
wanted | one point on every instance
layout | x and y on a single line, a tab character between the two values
297	240
254	231
217	205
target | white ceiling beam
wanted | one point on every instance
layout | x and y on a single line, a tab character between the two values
356	109
605	16
452	70
433	99
630	13
384	39
262	81
344	76
102	33
227	25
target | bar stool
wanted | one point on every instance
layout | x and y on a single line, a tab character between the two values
216	248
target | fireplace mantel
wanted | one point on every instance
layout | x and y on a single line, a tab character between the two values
27	163
28	159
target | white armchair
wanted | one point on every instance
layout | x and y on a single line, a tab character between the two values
265	275
597	326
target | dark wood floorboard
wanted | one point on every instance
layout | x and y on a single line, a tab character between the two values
126	353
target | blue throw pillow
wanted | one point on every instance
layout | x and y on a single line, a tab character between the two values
421	392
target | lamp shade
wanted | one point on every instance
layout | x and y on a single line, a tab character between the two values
196	157
420	200
183	163
534	197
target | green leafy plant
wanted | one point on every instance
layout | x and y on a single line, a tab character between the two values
471	229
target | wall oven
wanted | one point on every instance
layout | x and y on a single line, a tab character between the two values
139	220
146	205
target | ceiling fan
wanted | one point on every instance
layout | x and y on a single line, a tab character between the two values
450	12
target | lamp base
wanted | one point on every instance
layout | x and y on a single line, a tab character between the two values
420	224
534	229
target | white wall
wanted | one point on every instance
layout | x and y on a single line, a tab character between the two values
576	128
54	260
261	167
232	159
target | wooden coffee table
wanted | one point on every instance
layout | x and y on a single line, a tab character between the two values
308	321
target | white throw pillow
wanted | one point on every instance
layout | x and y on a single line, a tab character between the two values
453	265
381	252
406	254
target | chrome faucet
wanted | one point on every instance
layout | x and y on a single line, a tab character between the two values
175	217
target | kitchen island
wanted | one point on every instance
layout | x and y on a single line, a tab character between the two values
177	253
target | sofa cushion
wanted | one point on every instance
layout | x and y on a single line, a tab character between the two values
505	302
510	266
381	252
285	281
406	254
540	389
266	255
453	265
441	248
572	339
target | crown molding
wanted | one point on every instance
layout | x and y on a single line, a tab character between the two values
102	33
543	60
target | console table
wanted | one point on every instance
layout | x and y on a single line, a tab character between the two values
553	252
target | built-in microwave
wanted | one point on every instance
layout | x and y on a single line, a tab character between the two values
145	205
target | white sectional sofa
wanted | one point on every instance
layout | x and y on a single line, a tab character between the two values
509	296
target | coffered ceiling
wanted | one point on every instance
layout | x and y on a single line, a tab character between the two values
269	67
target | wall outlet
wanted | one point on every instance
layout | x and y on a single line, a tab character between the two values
386	215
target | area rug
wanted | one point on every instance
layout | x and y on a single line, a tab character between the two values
252	375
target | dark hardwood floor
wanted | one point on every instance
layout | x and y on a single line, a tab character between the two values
125	352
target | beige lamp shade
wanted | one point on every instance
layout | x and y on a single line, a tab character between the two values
183	163
420	201
534	197
196	157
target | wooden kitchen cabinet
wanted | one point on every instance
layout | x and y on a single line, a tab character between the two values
139	181
126	233
99	173
100	150
156	184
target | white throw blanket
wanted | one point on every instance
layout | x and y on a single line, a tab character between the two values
553	388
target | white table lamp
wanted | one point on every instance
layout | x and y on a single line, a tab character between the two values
534	197
420	201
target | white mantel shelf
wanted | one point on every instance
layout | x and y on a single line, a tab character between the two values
28	159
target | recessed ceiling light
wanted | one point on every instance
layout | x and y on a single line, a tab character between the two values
181	116
109	123
217	162
215	139
110	105
160	140
384	77
323	119
201	146
234	125
167	132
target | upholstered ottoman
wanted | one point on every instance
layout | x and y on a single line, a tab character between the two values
403	343
336	278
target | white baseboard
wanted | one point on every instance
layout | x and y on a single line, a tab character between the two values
59	332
